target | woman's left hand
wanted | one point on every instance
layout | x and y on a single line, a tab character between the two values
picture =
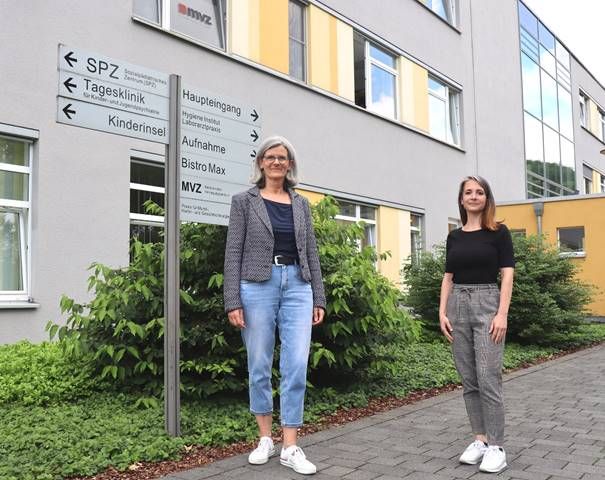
318	315
497	329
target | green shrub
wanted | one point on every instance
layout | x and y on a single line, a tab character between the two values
41	374
548	304
120	332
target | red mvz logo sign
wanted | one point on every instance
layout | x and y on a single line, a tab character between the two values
190	12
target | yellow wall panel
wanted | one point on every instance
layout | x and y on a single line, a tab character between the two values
346	73
259	32
596	182
388	226
313	197
570	213
330	52
414	96
274	41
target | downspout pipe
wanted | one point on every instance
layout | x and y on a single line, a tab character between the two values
539	212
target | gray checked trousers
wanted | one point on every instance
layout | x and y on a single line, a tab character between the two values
470	309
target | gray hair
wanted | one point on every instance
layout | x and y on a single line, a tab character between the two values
258	177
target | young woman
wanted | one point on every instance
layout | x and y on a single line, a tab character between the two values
273	280
473	316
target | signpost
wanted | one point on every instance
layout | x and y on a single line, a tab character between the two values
210	144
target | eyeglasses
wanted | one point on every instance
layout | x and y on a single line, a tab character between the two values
279	158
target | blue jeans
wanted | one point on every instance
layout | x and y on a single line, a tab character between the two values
284	301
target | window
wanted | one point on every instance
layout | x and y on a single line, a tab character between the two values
602	183
602	126
15	213
375	77
571	241
354	212
296	29
518	231
146	183
200	20
587	185
453	224
444	8
383	81
416	236
148	9
584	116
444	112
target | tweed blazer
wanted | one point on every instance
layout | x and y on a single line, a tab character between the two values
249	250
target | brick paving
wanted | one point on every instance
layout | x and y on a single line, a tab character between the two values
555	429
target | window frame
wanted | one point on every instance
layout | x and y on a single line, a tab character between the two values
305	67
358	218
23	209
416	253
576	253
164	24
371	61
140	218
452	108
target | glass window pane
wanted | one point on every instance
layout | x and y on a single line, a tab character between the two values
11	276
147	233
359	66
546	38
202	20
14	186
369	239
571	239
547	61
552	155
565	113
297	60
534	154
383	92
14	152
437	117
550	113
528	21
147	173
139	197
382	56
562	55
148	9
347	209
535	186
296	20
568	164
532	100
437	87
368	213
440	7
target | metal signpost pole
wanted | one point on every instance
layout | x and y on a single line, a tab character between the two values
172	392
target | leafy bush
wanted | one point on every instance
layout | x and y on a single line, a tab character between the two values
40	374
120	332
548	304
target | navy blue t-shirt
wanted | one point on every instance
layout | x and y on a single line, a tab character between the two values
282	221
477	256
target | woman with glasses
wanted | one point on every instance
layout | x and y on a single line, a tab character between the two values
273	280
473	316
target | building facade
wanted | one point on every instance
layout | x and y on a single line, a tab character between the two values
388	108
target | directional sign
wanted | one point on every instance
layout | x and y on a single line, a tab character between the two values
222	106
112	95
100	67
202	122
95	117
217	148
218	138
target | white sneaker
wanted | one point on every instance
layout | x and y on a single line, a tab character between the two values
295	458
494	460
263	452
473	453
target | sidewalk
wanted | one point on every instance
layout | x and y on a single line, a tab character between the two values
555	429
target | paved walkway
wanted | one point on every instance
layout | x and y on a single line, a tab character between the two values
555	429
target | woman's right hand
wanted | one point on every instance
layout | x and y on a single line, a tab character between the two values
236	318
446	327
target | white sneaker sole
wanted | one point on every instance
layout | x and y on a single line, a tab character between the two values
261	461
286	463
494	470
470	462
